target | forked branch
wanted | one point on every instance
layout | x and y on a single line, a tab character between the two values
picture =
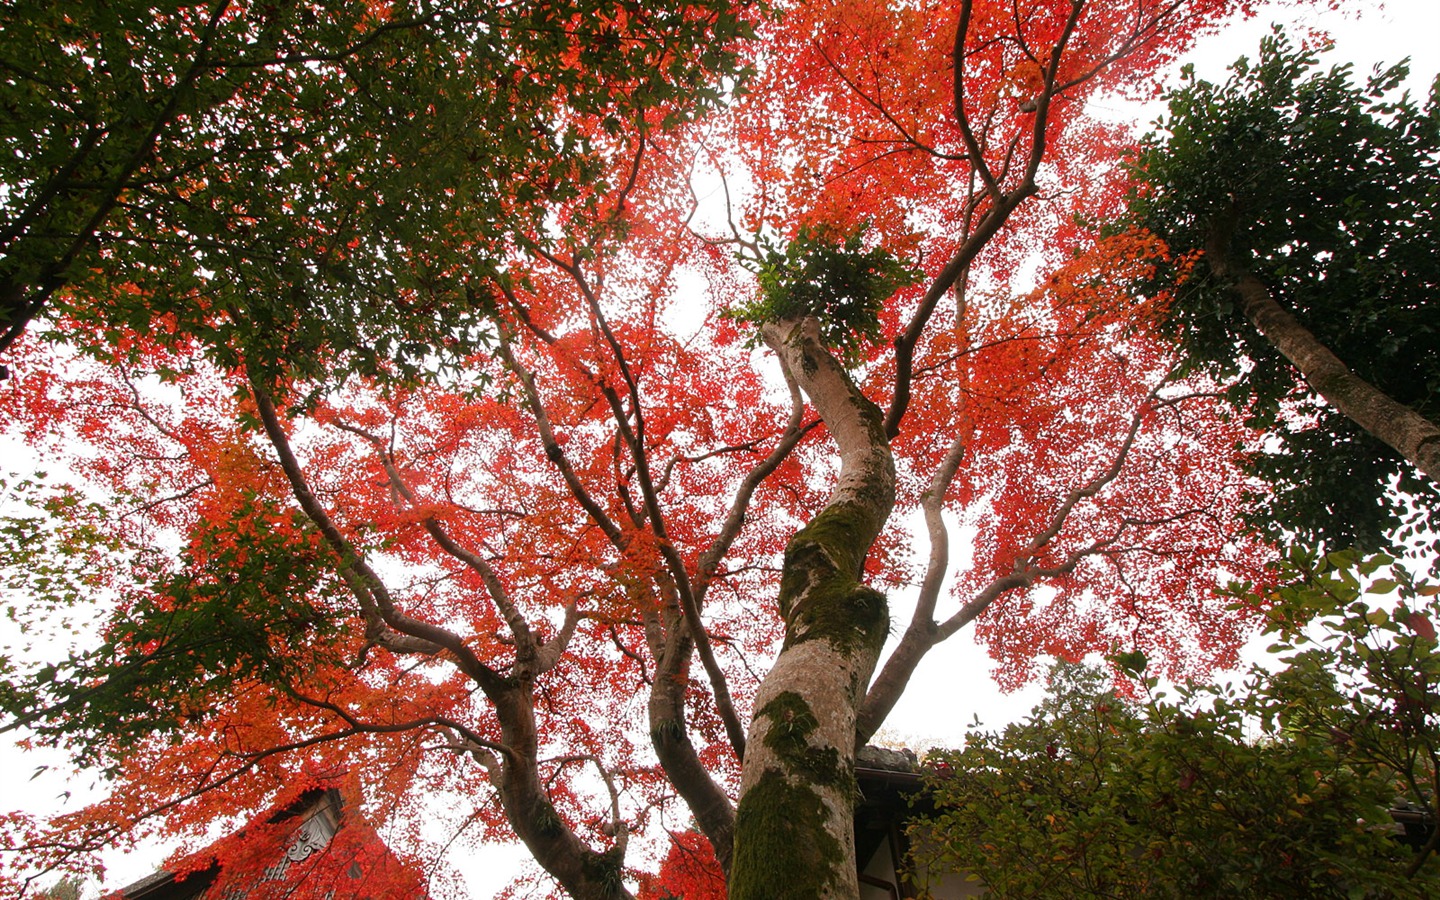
924	632
374	597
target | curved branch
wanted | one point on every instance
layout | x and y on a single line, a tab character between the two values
553	451
362	580
525	648
552	650
962	119
735	516
924	632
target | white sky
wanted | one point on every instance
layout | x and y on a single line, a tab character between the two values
953	686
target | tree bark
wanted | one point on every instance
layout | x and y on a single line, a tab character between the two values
794	829
582	872
670	736
1411	435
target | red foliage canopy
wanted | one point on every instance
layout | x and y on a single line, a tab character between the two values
492	584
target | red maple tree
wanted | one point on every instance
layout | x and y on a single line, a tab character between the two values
688	871
540	577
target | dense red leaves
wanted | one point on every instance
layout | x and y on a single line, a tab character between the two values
1045	366
595	462
688	872
314	843
1048	396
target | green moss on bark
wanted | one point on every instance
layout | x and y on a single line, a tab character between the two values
547	820
788	737
837	538
850	616
784	834
667	731
605	869
820	596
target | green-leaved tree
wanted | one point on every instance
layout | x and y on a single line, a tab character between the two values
1315	781
1315	201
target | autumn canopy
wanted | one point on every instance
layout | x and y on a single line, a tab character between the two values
588	412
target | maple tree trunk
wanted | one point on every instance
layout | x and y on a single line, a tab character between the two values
670	736
1412	435
582	872
794	828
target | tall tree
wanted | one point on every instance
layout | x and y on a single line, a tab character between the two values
1314	200
522	542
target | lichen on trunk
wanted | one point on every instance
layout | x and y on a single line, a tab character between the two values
794	833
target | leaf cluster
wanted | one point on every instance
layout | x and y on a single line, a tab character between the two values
247	603
1283	788
1328	191
831	276
320	189
1363	667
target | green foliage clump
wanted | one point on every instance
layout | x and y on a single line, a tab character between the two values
829	276
67	888
1281	789
1363	672
1328	191
321	189
248	602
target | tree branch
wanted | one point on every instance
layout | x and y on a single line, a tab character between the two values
363	581
1410	434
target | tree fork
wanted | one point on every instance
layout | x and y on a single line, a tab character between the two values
584	873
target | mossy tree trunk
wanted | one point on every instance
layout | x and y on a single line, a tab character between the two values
794	829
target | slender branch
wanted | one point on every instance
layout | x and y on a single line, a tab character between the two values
525	647
360	726
161	501
962	119
363	581
634	438
553	451
735	516
875	104
924	632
